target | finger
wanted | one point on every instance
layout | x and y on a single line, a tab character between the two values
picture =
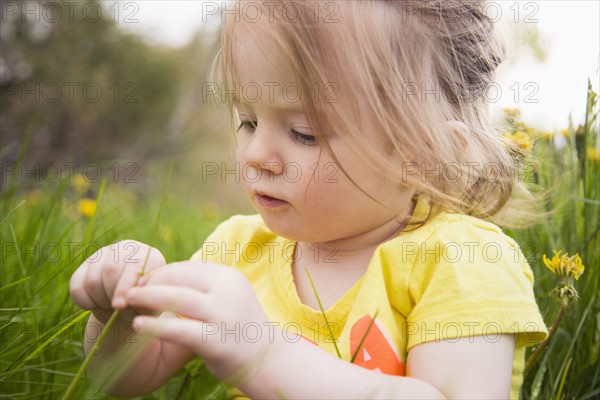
122	272
187	273
77	289
130	276
111	274
155	259
183	301
93	281
185	332
204	339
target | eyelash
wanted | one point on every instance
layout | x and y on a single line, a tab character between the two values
247	125
308	140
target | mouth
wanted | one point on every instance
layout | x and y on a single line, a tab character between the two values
269	201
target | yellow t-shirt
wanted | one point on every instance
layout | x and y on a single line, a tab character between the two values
453	277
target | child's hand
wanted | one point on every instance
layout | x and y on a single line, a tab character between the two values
101	283
222	320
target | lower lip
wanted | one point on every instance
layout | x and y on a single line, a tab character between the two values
270	202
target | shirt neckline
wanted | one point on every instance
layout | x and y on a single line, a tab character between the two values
338	312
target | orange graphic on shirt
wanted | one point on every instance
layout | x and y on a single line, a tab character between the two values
376	351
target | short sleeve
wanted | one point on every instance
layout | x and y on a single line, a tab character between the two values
231	237
209	252
469	279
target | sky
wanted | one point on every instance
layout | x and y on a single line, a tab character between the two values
545	92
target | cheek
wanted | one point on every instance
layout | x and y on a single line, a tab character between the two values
368	180
306	175
328	192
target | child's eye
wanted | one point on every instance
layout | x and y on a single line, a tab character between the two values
304	139
248	125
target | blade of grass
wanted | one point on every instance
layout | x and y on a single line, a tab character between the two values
563	379
18	251
62	329
52	278
57	197
22	360
86	363
40	367
362	340
115	315
536	386
591	395
15	283
568	355
39	234
21	265
337	350
10	213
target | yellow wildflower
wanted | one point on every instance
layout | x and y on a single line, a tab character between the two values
80	183
520	138
564	132
593	154
521	126
565	266
86	207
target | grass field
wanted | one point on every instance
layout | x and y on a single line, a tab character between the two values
48	228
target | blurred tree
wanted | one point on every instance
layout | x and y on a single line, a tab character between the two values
95	91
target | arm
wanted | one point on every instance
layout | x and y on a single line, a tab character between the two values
463	369
214	297
302	370
472	367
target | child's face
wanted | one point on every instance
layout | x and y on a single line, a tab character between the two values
281	158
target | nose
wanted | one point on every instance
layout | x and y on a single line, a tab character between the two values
263	151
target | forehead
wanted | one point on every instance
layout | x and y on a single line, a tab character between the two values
260	64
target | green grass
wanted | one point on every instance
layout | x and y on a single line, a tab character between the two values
44	239
569	368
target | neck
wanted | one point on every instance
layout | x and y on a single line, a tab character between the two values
362	245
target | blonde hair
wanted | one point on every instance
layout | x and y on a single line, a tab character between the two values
419	70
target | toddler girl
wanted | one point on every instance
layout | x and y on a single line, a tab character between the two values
367	150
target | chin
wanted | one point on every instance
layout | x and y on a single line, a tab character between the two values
284	227
279	226
289	230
